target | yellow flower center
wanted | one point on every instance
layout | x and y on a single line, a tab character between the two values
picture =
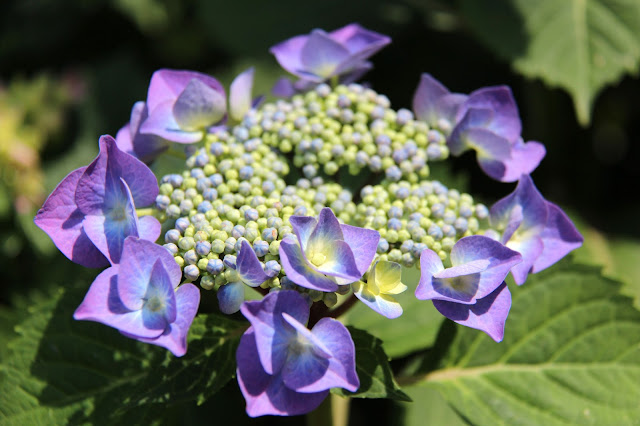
317	258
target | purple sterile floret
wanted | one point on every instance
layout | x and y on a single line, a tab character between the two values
488	122
536	228
435	105
466	292
140	299
325	253
249	271
146	147
316	57
285	368
182	105
106	195
92	210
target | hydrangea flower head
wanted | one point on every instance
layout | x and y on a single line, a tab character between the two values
319	56
472	291
327	254
383	281
285	368
248	270
95	206
536	228
141	298
182	105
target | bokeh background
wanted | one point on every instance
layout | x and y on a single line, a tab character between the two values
70	70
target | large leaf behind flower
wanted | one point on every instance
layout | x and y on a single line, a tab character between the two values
63	371
571	355
579	45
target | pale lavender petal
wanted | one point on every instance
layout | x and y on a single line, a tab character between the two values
300	271
174	337
430	264
360	42
265	394
167	85
283	88
363	243
124	140
427	93
162	123
354	72
335	337
447	107
61	219
230	297
533	205
505	121
476	119
145	147
240	94
149	228
102	304
138	257
248	266
272	333
559	237
525	157
104	173
488	314
321	55
530	248
199	106
303	226
287	53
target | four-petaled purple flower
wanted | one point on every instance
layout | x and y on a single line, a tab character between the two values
486	121
92	210
139	297
182	105
534	227
319	56
472	292
283	367
327	254
248	270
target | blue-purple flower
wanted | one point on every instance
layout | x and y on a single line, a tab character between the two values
486	121
146	147
534	227
141	298
319	56
249	271
182	105
92	211
472	291
327	254
283	367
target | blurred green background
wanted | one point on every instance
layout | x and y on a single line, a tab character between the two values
70	70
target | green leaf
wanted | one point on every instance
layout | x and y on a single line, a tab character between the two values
415	329
571	355
578	45
373	369
63	371
428	408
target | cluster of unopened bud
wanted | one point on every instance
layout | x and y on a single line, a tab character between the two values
351	127
412	217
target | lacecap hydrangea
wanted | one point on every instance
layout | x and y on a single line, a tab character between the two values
266	201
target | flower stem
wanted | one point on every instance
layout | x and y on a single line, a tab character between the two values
334	81
344	307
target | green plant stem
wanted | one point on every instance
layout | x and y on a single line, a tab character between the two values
145	212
